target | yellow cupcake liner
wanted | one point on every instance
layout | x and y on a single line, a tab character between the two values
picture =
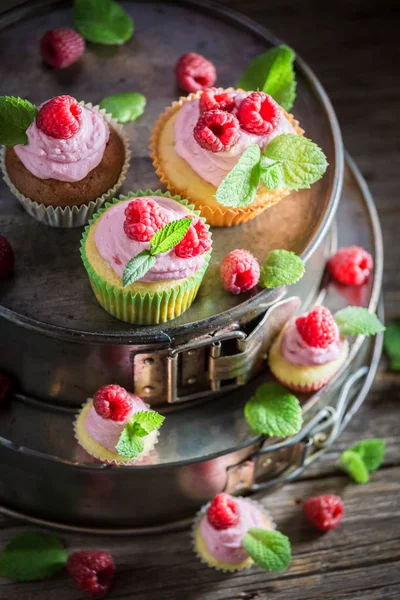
204	555
104	454
216	216
71	216
299	378
137	307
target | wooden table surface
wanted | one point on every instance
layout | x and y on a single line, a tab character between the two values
351	45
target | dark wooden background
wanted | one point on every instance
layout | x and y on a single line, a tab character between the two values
353	46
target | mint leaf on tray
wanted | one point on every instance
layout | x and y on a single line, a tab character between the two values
32	556
15	117
274	411
102	21
124	106
354	320
281	267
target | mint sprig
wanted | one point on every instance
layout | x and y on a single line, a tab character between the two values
124	106
240	185
269	549
102	21
32	556
355	320
392	345
353	464
130	443
272	72
16	115
271	173
165	239
281	267
274	411
363	458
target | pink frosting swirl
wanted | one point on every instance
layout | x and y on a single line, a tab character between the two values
226	544
66	160
297	352
117	248
214	166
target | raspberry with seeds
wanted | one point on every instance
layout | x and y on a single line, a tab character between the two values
216	130
61	47
213	98
351	266
144	217
196	241
112	402
324	512
7	258
92	571
318	328
194	72
60	117
258	113
6	387
240	271
223	512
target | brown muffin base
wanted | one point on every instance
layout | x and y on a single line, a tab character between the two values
52	192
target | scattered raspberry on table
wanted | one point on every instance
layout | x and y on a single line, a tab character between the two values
240	271
92	571
351	265
61	47
194	72
324	512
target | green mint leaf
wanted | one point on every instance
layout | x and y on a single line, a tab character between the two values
169	236
31	556
372	452
272	72
148	420
137	267
102	21
124	106
281	267
269	549
355	320
353	464
391	345
274	411
240	185
130	445
302	161
15	117
271	173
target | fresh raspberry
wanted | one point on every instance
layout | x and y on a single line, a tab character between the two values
213	98
318	327
196	241
92	571
351	266
144	217
61	47
324	512
6	257
6	387
258	113
112	402
223	512
240	271
194	72
216	130
60	117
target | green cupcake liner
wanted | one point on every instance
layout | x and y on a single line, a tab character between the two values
138	308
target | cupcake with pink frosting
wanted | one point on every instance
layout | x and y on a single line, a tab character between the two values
309	351
146	255
117	427
199	139
74	158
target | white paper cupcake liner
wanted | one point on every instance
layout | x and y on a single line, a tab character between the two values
71	216
126	463
196	524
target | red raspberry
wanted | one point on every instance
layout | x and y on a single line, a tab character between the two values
5	387
258	113
6	257
324	512
213	98
60	117
196	241
240	271
112	402
194	72
92	571
144	217
223	512
61	47
318	328
351	266
216	130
